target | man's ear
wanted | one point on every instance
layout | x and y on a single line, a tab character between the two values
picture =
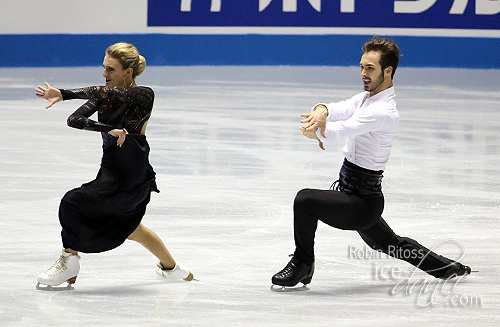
388	71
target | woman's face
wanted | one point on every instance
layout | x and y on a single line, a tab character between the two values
114	73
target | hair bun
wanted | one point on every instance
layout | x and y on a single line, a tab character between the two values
141	65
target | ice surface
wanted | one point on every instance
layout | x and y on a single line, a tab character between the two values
229	160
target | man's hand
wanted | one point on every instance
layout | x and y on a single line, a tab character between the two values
312	135
316	119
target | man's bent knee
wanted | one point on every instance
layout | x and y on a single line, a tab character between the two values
303	197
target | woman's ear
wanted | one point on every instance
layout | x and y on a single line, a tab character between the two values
130	72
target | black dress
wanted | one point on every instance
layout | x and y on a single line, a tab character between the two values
101	214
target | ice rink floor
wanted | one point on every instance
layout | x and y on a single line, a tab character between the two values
229	160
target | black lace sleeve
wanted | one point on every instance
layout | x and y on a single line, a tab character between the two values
136	95
80	118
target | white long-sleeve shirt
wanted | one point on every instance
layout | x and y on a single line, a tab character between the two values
369	123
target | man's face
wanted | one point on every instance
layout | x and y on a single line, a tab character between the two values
374	79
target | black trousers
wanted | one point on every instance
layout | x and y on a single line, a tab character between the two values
352	209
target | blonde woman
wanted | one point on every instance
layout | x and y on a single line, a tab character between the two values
102	214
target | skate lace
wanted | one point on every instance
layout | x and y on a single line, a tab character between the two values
287	270
58	267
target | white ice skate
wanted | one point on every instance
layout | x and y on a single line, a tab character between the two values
65	269
176	273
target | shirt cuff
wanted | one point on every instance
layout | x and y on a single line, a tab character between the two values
329	116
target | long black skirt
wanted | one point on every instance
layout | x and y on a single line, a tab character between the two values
101	214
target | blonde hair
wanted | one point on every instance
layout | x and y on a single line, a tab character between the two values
129	57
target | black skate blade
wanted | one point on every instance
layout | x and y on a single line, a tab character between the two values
285	289
48	288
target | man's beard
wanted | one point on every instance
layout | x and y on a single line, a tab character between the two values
374	85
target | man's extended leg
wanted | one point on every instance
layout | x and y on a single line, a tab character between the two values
381	237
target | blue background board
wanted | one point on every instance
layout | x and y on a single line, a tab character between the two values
51	50
367	13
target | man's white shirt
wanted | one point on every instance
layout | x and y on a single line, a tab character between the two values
369	125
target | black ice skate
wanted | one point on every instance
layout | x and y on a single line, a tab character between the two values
293	273
456	270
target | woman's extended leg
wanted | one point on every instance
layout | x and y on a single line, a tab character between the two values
151	241
167	267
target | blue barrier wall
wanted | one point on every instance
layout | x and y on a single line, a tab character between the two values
430	33
45	50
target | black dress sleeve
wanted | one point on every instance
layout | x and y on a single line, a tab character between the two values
80	118
135	95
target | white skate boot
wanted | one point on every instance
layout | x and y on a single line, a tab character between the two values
65	269
176	273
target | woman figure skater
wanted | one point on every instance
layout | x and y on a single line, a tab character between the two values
102	214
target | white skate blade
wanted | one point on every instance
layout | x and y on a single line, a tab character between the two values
284	289
43	287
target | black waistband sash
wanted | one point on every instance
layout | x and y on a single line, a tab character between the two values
357	180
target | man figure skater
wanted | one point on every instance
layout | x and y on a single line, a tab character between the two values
368	121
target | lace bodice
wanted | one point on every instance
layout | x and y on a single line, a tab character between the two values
128	108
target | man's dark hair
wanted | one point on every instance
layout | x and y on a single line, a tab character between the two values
390	52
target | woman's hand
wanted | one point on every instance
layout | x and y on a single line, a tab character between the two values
120	134
49	93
